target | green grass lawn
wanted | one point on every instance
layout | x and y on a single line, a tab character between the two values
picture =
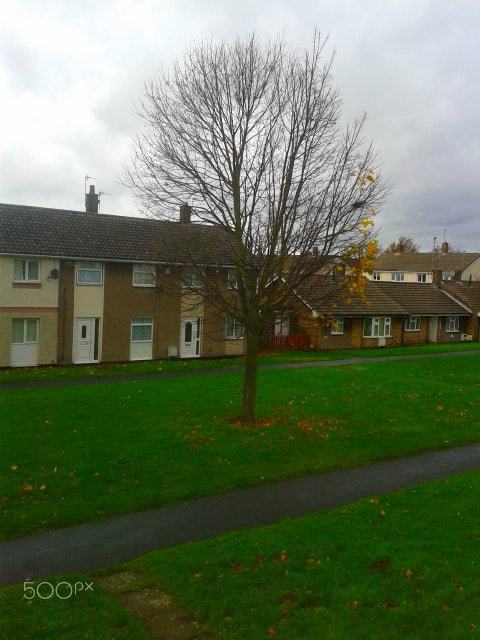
81	453
72	372
399	567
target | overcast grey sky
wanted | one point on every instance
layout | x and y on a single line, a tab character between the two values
71	72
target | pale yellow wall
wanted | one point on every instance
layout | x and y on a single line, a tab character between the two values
234	347
408	276
88	300
29	294
473	270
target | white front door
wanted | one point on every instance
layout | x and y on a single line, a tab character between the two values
84	340
190	338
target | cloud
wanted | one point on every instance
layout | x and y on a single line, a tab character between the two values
71	74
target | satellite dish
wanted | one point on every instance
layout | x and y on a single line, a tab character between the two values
54	274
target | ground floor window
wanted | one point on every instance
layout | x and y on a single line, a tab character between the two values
337	326
412	323
233	329
377	327
24	331
141	329
451	323
141	334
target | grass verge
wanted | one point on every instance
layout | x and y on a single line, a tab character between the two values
268	357
398	567
77	454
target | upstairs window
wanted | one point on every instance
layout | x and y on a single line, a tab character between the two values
376	275
421	277
89	272
397	276
143	275
191	278
232	280
25	270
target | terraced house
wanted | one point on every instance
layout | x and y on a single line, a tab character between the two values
83	287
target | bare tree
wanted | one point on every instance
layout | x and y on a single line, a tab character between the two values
250	135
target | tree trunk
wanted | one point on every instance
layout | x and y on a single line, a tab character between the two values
250	380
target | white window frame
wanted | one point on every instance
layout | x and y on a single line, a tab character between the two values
232	280
144	275
233	328
421	277
143	322
83	267
452	324
397	276
191	279
25	266
377	327
337	326
25	332
376	275
413	323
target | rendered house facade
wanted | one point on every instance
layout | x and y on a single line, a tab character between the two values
80	287
429	267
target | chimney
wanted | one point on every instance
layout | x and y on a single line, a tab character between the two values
91	200
185	213
437	277
444	247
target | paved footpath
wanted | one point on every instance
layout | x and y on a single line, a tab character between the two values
101	544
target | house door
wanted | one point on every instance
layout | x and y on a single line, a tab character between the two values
85	340
190	338
433	329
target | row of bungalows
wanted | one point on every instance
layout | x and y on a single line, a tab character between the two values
82	287
408	299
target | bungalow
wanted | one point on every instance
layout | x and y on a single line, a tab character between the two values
83	287
385	314
468	293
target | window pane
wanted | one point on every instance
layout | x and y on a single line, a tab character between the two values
19	270
141	333
33	270
17	331
188	332
367	327
89	276
31	331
